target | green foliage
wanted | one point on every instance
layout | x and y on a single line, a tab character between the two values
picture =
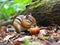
26	42
43	37
12	7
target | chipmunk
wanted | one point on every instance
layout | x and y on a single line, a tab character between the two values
23	22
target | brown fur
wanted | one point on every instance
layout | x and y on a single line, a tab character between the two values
24	22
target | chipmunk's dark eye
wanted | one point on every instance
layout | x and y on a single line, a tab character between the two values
29	20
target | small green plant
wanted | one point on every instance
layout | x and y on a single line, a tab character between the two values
26	42
9	7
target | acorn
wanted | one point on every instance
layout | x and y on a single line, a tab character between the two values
34	30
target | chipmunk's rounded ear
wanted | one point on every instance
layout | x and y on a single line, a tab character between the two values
27	16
